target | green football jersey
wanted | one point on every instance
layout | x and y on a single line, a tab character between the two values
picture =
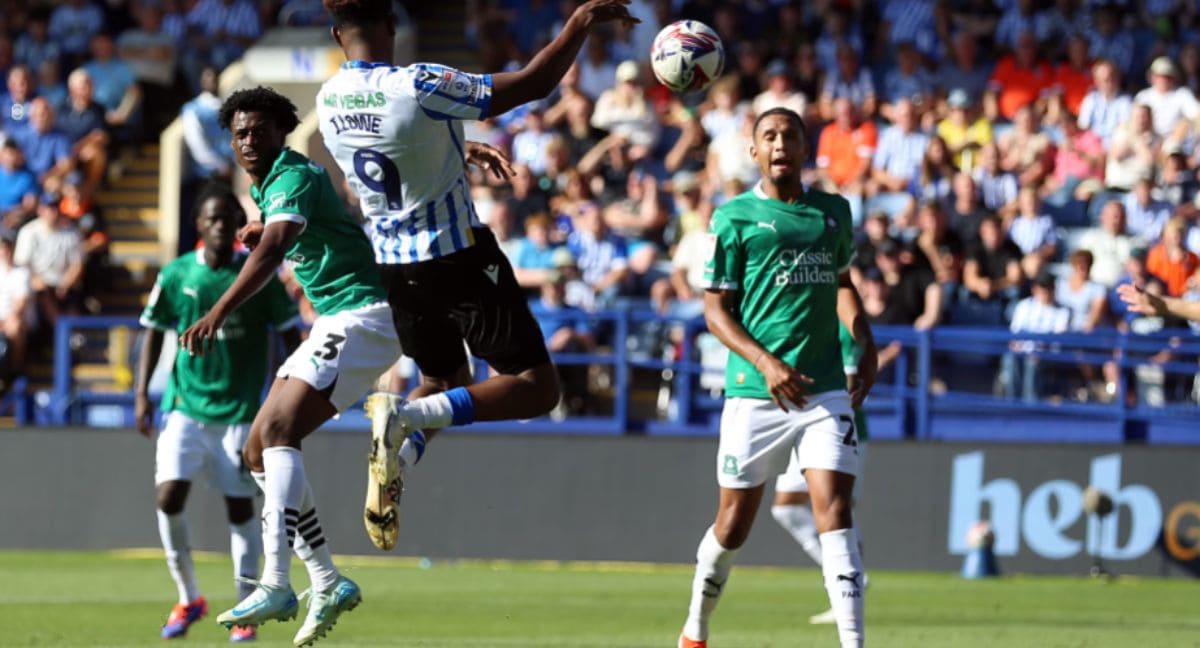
784	261
332	258
224	385
851	354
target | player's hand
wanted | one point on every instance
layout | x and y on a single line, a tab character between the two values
598	12
785	383
490	158
859	384
198	339
1141	301
143	414
251	234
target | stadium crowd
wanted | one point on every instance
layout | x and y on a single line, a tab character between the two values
1008	162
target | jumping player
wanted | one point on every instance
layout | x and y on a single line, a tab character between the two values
209	400
778	284
396	132
792	508
351	344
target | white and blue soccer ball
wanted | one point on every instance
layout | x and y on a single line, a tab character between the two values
687	56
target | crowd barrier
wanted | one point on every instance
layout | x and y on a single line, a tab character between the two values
948	384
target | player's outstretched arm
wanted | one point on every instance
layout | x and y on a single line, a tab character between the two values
260	266
542	74
143	409
850	312
1143	302
785	382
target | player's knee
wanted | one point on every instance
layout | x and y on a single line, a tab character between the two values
170	499
835	514
239	509
733	527
273	431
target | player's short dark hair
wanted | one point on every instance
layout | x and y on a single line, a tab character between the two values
359	13
264	100
792	115
220	191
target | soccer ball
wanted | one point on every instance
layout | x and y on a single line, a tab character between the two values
687	56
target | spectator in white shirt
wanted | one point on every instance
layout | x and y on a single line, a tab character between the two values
779	92
596	70
1105	107
1033	232
1134	150
1086	299
1039	313
51	248
1144	215
625	112
1108	244
1173	106
529	145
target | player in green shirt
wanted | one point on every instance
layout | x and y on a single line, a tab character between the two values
209	404
778	284
351	344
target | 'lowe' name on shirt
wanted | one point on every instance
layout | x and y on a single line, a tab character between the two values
806	267
356	101
363	122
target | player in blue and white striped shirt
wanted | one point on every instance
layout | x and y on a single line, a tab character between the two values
396	132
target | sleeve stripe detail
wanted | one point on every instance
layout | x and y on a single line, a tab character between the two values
710	284
151	324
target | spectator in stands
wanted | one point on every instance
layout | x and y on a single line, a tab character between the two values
527	197
1078	163
47	149
534	253
72	26
963	131
779	92
810	79
844	153
997	187
15	104
881	309
642	213
17	314
907	80
1138	276
1038	313
1086	299
50	85
566	330
992	270
1061	21
965	70
1189	64
838	31
116	88
727	110
152	53
1172	106
729	169
596	69
1072	77
51	249
1021	17
571	107
35	46
1034	233
1105	107
681	293
692	205
1170	261
897	160
1177	182
1020	80
914	295
529	144
908	21
625	113
849	80
938	247
1025	150
1145	216
209	156
937	171
221	30
18	189
1108	244
602	256
1134	150
569	205
83	122
1107	39
964	213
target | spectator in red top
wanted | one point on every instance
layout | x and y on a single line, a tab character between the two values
1170	261
845	149
1072	77
1020	79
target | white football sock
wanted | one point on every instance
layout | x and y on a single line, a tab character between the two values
283	493
432	412
797	519
713	563
172	529
245	546
322	574
844	582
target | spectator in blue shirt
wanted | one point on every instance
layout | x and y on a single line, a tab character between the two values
908	80
72	26
34	45
82	121
47	150
602	256
535	253
897	160
18	188
965	69
566	330
14	105
116	87
50	84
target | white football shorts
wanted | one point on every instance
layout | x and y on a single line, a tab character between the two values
187	449
758	439
348	350
792	480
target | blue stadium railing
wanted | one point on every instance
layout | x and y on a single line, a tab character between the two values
941	386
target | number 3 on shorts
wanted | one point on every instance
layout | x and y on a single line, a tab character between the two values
331	347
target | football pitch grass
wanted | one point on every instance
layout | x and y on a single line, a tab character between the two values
121	598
